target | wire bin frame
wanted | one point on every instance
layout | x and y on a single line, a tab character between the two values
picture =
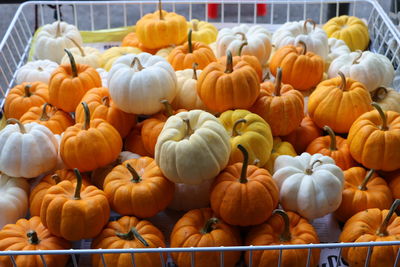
15	46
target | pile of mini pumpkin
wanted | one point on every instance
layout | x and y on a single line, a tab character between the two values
190	120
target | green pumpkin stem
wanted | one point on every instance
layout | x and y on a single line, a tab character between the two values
241	47
132	234
243	174
160	9
379	94
235	125
106	101
45	116
229	62
194	67
368	177
135	176
278	82
332	146
56	178
33	237
382	231
384	126
168	108
303	44
86	124
190	41
138	63
27	90
309	21
78	187
209	225
310	170
20	125
285	235
72	62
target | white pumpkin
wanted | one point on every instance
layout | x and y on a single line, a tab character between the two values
137	83
187	97
336	49
84	55
310	185
13	199
103	76
291	33
192	147
53	38
371	69
258	41
213	47
188	197
27	150
36	71
387	98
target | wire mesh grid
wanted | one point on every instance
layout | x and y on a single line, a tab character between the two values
15	46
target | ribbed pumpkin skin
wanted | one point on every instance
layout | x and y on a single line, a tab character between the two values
134	142
14	237
180	57
108	239
132	40
251	60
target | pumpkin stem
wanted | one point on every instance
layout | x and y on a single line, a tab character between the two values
86	124
304	46
256	162
135	176
27	90
382	231
78	46
190	41
58	30
309	21
243	174
56	178
285	235
241	47
78	187
384	126
160	9
209	225
266	77
310	170
278	82
189	130
45	116
137	62
229	62
332	146
20	125
368	177
195	25
132	234
194	67
379	94
40	69
106	101
32	237
343	84
243	35
168	108
359	55
72	62
234	130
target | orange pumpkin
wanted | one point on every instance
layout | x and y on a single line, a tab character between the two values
39	191
374	139
200	228
184	56
362	190
134	142
69	83
101	106
393	180
138	187
73	212
338	102
303	135
244	195
24	96
132	40
31	235
90	145
129	232
283	228
333	146
372	225
280	106
301	69
56	120
222	87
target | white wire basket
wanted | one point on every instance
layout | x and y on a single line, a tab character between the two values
95	15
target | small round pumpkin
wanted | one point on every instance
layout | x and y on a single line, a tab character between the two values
387	98
279	148
112	54
134	142
84	55
24	96
56	120
132	40
244	195
203	31
137	187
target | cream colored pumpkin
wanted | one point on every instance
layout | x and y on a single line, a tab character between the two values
291	33
192	147
213	47
203	31
84	55
164	52
337	48
188	197
27	150
103	76
110	55
387	98
36	71
371	69
13	199
137	83
53	38
310	185
258	41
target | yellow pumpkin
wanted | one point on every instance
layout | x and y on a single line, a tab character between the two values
279	148
164	52
249	130
113	53
203	31
352	30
